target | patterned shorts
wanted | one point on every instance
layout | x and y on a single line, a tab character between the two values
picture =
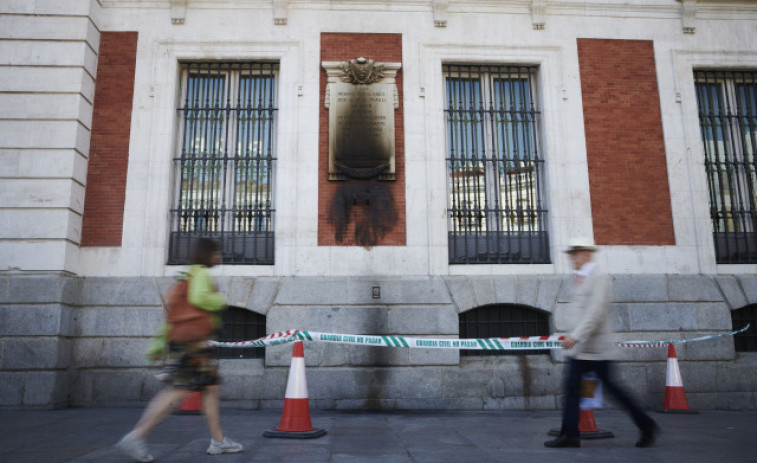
191	366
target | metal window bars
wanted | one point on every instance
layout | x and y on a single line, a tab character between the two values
240	324
496	208
225	166
727	102
503	320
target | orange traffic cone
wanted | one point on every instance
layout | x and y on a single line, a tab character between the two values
591	396
191	404
295	419
675	398
588	427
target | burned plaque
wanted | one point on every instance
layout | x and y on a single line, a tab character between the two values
361	97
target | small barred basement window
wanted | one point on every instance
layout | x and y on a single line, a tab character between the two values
241	325
746	341
503	321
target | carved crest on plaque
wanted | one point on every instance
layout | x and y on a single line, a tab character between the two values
362	71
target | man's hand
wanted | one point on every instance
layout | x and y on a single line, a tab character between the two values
568	342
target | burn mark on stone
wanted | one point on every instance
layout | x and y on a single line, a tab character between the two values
366	204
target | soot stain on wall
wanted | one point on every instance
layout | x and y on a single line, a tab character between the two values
369	204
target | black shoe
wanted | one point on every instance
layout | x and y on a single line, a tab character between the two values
649	436
564	441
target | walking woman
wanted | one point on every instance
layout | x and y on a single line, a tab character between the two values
192	318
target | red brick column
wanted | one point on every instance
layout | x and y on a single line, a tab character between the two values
628	176
383	222
109	142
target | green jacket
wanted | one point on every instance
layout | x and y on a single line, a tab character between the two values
201	294
202	291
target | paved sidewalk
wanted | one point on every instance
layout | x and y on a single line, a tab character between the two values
88	435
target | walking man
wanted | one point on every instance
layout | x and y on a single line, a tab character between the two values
589	347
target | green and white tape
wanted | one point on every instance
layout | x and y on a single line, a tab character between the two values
513	343
679	341
516	343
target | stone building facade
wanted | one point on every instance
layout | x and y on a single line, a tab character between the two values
517	125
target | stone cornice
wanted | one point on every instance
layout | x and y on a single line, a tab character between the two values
443	11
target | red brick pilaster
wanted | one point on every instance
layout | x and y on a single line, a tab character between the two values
109	142
628	175
381	223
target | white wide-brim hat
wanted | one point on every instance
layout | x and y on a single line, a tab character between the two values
581	244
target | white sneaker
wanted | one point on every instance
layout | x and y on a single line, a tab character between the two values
227	446
135	448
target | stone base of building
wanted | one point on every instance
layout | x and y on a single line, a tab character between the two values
68	341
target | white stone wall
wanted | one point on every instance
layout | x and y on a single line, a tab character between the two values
49	60
46	108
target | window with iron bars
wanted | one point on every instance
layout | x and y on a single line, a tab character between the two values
503	321
496	208
727	102
240	324
746	341
225	164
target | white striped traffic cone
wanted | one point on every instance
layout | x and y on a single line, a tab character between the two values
295	419
675	398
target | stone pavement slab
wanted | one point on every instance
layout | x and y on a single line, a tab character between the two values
88	435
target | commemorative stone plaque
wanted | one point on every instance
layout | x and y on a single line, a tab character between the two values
361	97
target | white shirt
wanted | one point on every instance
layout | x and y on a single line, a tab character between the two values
586	269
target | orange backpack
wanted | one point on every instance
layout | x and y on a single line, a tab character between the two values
187	322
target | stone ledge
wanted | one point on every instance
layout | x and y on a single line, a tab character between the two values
359	291
130	292
695	288
12	388
637	288
749	286
539	291
117	321
35	320
675	316
37	289
731	289
35	353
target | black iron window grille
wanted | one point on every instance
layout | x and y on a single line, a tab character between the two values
496	208
241	325
503	321
727	103
746	341
225	164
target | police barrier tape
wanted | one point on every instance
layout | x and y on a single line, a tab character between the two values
513	343
679	341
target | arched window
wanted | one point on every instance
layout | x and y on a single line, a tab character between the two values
746	341
241	325
503	321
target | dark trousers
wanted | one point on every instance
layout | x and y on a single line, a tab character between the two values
602	368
